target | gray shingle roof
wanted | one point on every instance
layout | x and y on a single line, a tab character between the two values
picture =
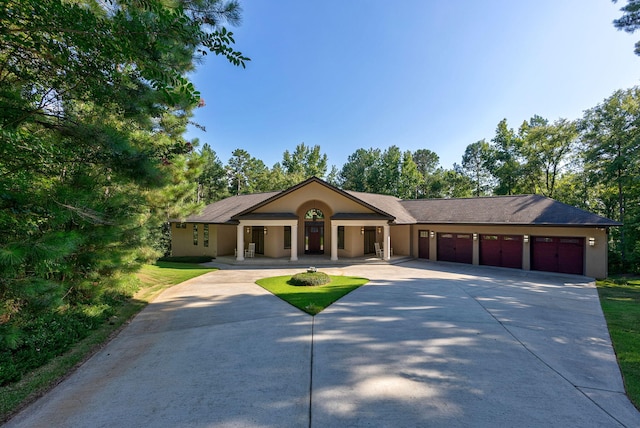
520	209
516	210
386	203
222	211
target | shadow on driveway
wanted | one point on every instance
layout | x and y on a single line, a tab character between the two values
422	344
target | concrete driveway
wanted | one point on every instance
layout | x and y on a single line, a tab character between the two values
423	344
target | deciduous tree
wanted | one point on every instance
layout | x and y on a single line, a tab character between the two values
474	164
611	138
305	162
504	161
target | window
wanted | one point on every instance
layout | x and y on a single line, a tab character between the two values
287	237
206	235
195	234
341	237
181	225
314	214
570	241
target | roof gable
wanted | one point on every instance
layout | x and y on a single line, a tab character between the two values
309	183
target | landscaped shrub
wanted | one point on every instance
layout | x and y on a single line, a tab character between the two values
310	279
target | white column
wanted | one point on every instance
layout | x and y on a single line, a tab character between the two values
334	242
294	242
387	242
240	242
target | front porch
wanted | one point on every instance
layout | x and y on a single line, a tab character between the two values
278	234
308	260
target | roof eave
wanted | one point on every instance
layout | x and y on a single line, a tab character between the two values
615	224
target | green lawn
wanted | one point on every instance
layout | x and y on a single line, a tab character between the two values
154	279
311	300
620	300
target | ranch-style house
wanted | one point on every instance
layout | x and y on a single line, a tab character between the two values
529	232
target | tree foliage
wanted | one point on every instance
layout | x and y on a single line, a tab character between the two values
212	181
545	150
504	159
611	144
360	173
630	19
475	164
305	162
94	100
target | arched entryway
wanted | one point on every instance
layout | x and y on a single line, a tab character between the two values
314	231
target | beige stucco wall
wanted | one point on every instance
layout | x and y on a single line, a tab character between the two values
596	257
404	240
353	243
400	239
313	192
182	241
222	240
226	235
274	242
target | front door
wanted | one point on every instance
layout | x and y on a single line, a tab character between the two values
423	244
257	236
314	238
369	240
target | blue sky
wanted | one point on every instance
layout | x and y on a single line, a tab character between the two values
418	74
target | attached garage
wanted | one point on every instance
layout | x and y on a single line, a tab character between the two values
501	250
558	254
455	247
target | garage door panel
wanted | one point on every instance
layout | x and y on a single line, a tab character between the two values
455	247
501	250
544	254
464	248
511	251
446	247
571	255
489	250
555	254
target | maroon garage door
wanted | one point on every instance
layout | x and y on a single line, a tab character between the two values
455	247
501	250
555	254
